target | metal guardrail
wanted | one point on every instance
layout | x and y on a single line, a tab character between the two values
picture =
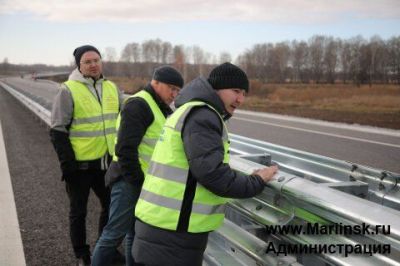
37	108
308	189
382	186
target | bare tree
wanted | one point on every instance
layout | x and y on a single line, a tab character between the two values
207	58
131	53
345	60
260	57
111	54
316	48
158	50
356	65
225	57
280	55
179	59
375	45
394	52
331	58
167	53
150	51
198	59
299	59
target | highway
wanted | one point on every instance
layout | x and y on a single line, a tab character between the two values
375	147
40	197
43	212
379	148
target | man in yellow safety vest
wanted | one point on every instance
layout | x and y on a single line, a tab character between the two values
139	126
83	120
189	179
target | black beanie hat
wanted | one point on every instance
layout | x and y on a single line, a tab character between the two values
168	75
226	76
78	52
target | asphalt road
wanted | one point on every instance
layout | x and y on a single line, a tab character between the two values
375	147
42	203
40	197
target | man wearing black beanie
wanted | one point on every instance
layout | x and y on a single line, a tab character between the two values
142	118
189	179
82	131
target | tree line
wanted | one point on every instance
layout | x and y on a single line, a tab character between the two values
325	59
320	59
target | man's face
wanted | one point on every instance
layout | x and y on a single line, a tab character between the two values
166	92
232	98
90	65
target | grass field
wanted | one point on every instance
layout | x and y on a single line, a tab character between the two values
378	105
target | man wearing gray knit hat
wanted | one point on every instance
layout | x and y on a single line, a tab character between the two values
189	179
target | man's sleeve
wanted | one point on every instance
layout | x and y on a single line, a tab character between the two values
62	110
136	117
61	118
205	152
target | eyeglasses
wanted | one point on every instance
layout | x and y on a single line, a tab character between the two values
174	88
96	61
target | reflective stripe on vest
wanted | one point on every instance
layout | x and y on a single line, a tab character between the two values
160	202
92	130
146	146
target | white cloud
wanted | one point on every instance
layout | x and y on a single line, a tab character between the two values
278	11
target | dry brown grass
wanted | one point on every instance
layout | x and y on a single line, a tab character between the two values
378	105
129	85
379	98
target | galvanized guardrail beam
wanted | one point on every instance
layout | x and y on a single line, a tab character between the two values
383	185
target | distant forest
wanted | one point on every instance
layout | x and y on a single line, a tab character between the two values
321	59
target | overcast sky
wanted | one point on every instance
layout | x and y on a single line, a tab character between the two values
47	31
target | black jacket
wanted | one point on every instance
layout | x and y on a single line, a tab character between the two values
136	117
204	149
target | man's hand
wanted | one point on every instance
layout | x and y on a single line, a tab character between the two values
69	170
266	173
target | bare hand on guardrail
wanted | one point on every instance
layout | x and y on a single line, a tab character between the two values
266	173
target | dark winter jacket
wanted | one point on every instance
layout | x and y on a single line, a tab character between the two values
136	117
202	139
204	148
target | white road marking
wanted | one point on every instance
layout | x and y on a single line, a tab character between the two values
354	127
317	132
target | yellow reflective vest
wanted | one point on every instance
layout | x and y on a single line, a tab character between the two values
160	201
92	131
146	146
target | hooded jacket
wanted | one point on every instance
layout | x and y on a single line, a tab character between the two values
204	149
202	139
